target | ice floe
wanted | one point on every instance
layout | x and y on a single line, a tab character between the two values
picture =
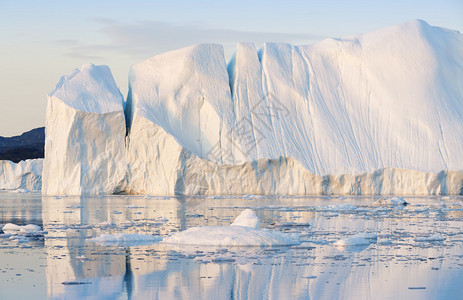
14	229
356	240
339	207
243	232
392	201
434	238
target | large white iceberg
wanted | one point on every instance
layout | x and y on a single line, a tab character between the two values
85	134
384	108
390	98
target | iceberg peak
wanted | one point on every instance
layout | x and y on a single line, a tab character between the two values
247	218
90	89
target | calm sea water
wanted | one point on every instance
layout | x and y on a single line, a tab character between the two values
62	263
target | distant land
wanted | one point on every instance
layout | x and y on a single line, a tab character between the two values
28	145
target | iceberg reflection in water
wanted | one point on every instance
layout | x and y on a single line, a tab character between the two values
403	261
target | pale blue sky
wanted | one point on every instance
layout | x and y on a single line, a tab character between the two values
42	40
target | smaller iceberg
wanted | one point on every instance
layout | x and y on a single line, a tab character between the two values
13	229
22	234
247	219
243	232
394	201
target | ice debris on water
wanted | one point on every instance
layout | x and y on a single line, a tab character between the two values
125	239
244	231
29	229
355	240
434	238
394	201
339	207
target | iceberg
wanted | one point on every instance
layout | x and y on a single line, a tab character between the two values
388	98
379	113
27	174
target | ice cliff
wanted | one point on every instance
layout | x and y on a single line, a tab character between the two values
385	107
84	134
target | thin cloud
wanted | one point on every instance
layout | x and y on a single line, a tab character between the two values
147	38
67	42
83	56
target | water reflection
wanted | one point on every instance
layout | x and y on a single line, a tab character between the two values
391	267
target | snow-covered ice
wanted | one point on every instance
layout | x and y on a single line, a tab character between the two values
240	236
247	218
244	231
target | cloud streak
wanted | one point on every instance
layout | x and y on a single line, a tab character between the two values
147	38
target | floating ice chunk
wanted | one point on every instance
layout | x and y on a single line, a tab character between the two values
125	239
392	201
352	241
234	235
397	201
356	240
435	238
247	219
14	229
339	207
